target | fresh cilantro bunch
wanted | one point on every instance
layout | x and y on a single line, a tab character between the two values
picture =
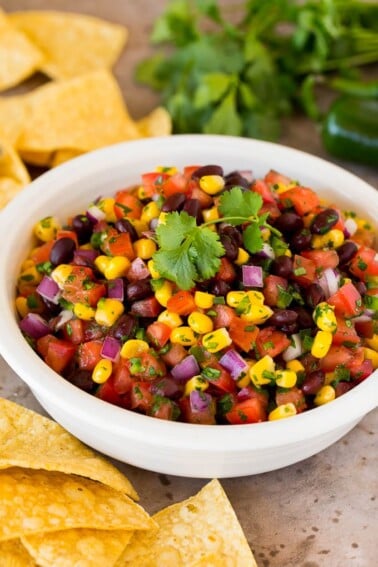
238	68
189	253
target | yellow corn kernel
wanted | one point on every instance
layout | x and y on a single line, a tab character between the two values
46	229
30	275
242	257
27	264
329	377
262	371
204	300
61	273
244	381
200	323
256	297
234	298
164	292
295	365
171	170
373	342
371	355
170	318
153	271
108	310
83	311
102	371
256	314
324	317
102	262
280	412
211	184
334	238
324	395
280	188
107	206
150	211
288	253
265	234
139	225
216	340
133	348
286	378
362	223
183	336
22	306
142	193
196	383
144	248
162	217
117	267
321	344
210	214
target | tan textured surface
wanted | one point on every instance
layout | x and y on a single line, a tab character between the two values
14	554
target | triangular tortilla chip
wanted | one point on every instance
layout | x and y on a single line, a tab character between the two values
30	440
13	114
14	554
19	58
13	174
156	123
73	44
189	533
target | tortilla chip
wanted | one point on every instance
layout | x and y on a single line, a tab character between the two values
73	44
62	156
13	174
84	547
14	554
190	533
34	501
19	58
13	114
22	430
40	159
157	123
84	113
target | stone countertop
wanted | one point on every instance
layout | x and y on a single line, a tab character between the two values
321	512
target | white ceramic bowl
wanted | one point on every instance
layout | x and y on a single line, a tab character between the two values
168	447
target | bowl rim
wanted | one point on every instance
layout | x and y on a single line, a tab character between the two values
25	362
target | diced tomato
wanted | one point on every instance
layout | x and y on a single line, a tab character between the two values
148	367
121	377
247	411
174	355
271	209
223	381
58	353
356	360
203	417
195	192
243	334
294	396
149	307
182	303
262	188
176	183
108	393
276	178
79	287
345	333
119	244
360	373
127	205
364	237
89	354
322	259
43	344
364	263
347	300
336	356
190	169
62	233
163	408
152	182
303	199
158	333
73	331
41	254
365	329
273	288
304	270
226	271
224	316
93	330
271	342
141	396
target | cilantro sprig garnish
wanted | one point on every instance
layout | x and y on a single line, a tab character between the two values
189	253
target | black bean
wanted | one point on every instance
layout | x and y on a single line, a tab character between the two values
282	266
174	202
124	225
283	317
314	294
313	382
346	252
232	232
62	251
301	240
361	287
193	208
230	246
83	228
290	329
288	222
304	320
124	328
324	221
138	290
219	287
234	179
82	379
207	170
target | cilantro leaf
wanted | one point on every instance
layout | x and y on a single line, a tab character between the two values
172	232
176	265
239	203
252	238
208	248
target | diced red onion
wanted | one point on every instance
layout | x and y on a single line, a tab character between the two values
267	251
185	369
329	282
49	289
63	318
83	257
350	227
111	348
154	223
35	326
138	270
247	174
294	350
116	289
199	401
364	317
166	387
234	363
95	214
243	394
252	276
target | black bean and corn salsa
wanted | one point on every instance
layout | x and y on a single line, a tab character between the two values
206	297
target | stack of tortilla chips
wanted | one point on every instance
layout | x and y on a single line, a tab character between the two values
61	505
80	109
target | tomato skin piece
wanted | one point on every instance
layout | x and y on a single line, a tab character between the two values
41	254
347	300
271	342
243	334
128	206
303	199
119	244
182	302
304	270
176	183
364	263
80	287
59	354
322	259
158	333
247	411
89	354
